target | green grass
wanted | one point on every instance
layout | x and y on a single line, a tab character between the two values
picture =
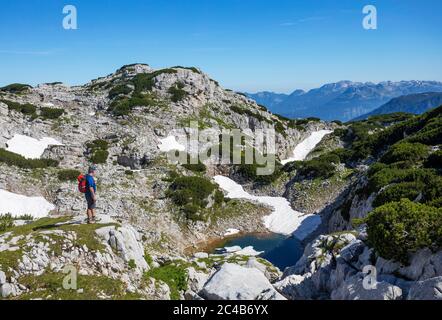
49	286
174	275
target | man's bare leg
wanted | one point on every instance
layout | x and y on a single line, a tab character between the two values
89	215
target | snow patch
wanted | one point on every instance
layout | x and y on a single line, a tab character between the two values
246	251
305	147
283	219
29	147
231	232
169	144
18	205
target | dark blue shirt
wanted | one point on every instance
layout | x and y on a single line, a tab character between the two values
90	183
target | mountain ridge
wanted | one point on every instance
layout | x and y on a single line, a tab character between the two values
344	100
414	103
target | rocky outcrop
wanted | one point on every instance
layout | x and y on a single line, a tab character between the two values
343	267
430	289
233	282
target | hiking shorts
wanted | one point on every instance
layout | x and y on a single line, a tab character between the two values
91	204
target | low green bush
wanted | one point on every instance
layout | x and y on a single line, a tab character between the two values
98	144
177	92
6	222
396	192
119	90
404	151
16	88
68	175
434	160
191	194
124	106
399	228
99	156
51	113
323	166
13	159
145	81
381	175
250	173
195	189
98	151
26	109
198	167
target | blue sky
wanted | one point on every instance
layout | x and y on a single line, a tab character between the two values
247	45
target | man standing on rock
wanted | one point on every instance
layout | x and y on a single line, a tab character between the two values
91	194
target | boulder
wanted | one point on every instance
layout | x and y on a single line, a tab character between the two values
196	280
2	278
353	289
417	264
296	287
6	290
125	241
430	289
233	282
201	255
352	251
271	273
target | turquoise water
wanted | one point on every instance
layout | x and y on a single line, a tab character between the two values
280	250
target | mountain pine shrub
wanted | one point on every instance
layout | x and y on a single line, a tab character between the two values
16	88
68	175
98	151
397	229
434	160
404	151
51	113
13	159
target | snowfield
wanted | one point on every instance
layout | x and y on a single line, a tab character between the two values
18	205
169	144
29	147
283	219
305	147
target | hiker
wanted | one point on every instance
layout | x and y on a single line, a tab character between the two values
89	188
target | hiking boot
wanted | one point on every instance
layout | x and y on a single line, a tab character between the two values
95	219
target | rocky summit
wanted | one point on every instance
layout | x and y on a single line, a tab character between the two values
361	196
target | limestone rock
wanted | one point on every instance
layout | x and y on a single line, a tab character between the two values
353	289
233	282
430	289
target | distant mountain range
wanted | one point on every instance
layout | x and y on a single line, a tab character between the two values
268	99
344	100
413	103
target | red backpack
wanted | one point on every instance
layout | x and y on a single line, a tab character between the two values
82	183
